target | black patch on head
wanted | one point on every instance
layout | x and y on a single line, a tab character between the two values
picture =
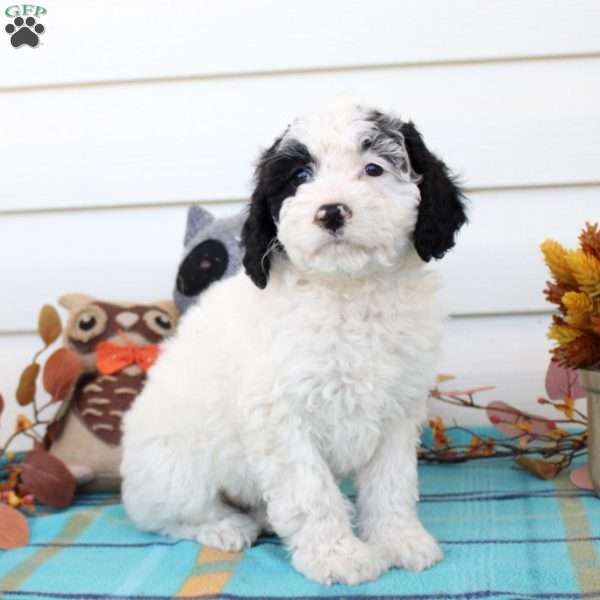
441	209
204	265
274	183
387	141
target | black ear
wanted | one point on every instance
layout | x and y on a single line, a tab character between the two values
442	209
259	230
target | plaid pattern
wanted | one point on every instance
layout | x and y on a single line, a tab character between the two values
506	535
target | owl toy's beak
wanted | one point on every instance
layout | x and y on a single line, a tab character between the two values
127	319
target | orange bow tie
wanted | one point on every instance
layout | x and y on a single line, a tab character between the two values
111	358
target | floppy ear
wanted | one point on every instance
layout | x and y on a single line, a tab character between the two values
441	210
259	229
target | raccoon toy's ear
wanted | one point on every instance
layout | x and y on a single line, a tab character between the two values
441	209
197	219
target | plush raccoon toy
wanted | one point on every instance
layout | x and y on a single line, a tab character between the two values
212	251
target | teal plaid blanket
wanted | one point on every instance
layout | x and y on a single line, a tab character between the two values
506	535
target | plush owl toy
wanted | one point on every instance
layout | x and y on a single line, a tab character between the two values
212	251
118	343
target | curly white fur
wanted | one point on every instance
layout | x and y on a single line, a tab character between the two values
266	398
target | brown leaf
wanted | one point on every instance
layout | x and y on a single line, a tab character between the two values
61	371
49	325
26	388
1	404
540	468
47	478
14	530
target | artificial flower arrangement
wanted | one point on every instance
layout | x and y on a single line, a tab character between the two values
575	289
541	445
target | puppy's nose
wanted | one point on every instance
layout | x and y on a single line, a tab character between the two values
332	216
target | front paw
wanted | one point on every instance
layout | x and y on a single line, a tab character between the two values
348	561
408	546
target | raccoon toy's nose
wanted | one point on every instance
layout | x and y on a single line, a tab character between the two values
332	216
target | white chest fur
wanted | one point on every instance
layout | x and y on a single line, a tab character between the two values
342	354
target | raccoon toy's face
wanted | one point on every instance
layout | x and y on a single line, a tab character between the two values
212	252
92	321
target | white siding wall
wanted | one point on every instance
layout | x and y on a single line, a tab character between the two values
129	111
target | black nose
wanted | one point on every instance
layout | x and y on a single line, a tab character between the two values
332	216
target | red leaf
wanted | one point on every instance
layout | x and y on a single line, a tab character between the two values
561	382
14	530
1	404
61	371
506	419
47	478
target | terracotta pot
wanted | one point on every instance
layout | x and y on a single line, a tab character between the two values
590	381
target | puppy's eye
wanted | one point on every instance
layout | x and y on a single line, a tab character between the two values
373	170
301	175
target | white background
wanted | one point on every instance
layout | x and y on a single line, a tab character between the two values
129	111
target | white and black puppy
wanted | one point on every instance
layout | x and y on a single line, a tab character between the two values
312	366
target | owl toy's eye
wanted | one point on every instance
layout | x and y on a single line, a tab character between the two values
159	322
163	322
88	324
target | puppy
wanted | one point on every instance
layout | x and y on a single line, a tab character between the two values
313	365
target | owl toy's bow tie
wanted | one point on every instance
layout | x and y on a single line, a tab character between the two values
111	358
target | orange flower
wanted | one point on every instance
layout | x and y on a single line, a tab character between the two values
590	240
12	499
23	423
567	408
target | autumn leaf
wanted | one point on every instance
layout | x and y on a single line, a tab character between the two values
14	530
540	468
47	478
513	422
61	371
26	387
49	326
561	382
468	391
443	377
581	478
1	405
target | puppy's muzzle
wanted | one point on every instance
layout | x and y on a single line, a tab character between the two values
333	216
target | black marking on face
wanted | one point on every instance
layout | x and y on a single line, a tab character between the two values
204	265
387	141
279	173
279	170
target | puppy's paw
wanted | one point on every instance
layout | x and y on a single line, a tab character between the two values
347	561
232	534
407	546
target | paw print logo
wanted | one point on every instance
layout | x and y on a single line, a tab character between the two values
24	32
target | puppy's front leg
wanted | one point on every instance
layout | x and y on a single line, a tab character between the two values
307	509
387	497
